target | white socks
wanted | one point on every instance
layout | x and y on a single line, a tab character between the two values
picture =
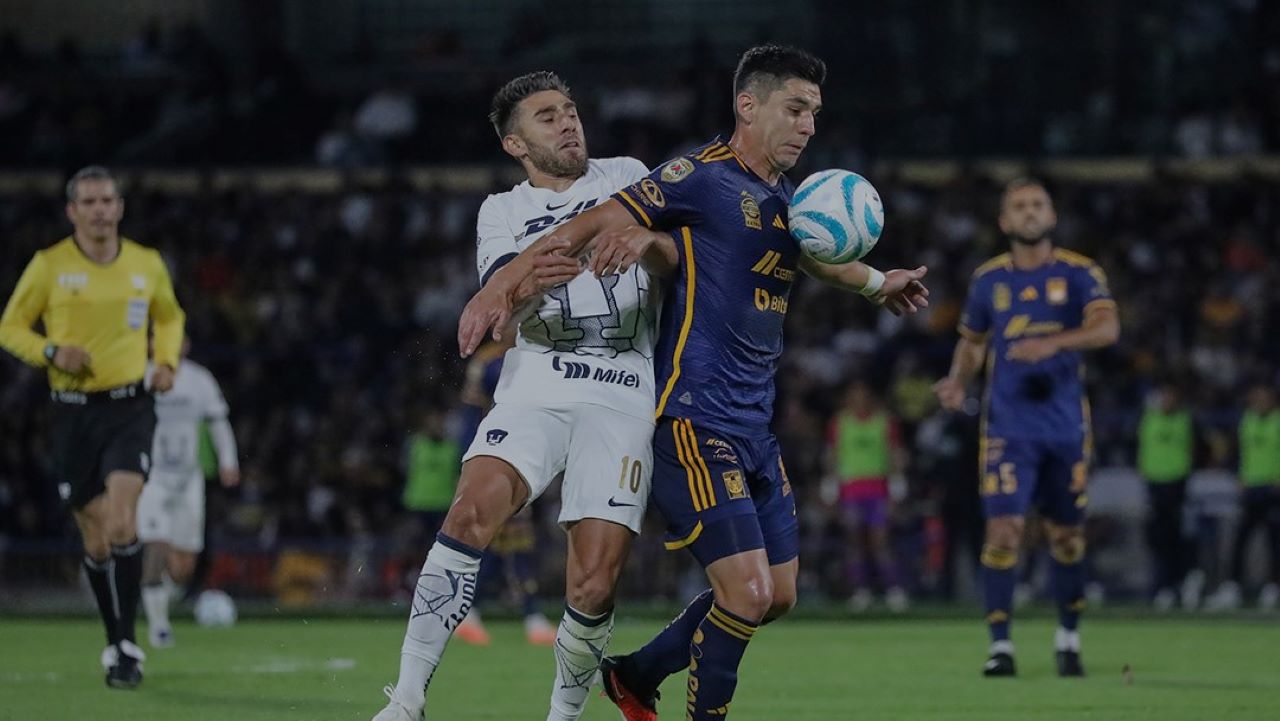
155	603
446	587
1064	640
581	641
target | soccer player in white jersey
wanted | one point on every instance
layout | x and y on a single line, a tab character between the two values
171	510
575	397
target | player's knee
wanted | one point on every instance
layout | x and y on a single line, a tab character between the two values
181	566
784	599
1005	533
1068	547
97	548
752	598
121	530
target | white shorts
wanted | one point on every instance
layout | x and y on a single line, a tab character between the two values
171	510
606	457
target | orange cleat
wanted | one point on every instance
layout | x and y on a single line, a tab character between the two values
472	630
632	706
538	631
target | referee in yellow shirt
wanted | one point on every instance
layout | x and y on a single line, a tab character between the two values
95	292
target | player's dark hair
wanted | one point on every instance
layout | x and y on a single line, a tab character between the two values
765	68
1019	183
92	172
503	107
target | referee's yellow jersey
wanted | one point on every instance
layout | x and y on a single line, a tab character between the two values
101	307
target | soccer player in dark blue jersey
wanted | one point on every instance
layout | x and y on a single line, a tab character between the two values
1037	307
718	475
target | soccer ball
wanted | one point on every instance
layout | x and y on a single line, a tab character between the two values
215	609
836	216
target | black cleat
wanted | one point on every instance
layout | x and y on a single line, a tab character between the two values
1069	664
126	674
635	706
1000	664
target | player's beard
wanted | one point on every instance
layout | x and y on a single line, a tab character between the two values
1031	239
557	166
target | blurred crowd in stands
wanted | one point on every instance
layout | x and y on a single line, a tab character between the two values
1191	78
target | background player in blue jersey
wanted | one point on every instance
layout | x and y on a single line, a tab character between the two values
718	476
1036	307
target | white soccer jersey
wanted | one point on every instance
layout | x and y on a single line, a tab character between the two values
195	397
591	340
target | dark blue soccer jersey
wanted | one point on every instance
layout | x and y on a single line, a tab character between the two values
1043	400
721	329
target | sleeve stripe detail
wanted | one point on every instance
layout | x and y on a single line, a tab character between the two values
1098	304
971	334
638	211
497	265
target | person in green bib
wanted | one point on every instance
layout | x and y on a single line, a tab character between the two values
1260	497
431	472
864	449
1166	443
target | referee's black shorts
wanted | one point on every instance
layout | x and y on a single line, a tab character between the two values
97	433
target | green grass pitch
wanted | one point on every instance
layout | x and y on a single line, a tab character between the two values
794	670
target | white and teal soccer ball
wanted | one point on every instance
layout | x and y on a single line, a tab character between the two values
215	609
836	216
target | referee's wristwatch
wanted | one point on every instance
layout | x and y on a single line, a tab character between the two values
50	350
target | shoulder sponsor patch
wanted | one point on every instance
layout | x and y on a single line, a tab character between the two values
652	193
677	170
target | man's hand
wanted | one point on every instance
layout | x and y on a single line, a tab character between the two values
950	392
617	250
1033	350
903	292
553	268
491	307
73	359
162	379
230	477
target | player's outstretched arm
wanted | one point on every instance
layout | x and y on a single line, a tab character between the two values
901	291
965	363
491	307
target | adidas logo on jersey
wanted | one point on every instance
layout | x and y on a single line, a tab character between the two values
574	370
768	265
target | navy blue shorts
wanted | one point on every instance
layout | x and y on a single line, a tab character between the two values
1053	474
723	494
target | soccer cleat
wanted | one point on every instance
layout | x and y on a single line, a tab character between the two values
1000	664
472	630
1164	600
897	600
126	673
860	601
1269	597
1226	598
1192	590
1069	664
539	631
160	637
633	706
397	710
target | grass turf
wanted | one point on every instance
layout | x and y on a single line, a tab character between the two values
794	670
